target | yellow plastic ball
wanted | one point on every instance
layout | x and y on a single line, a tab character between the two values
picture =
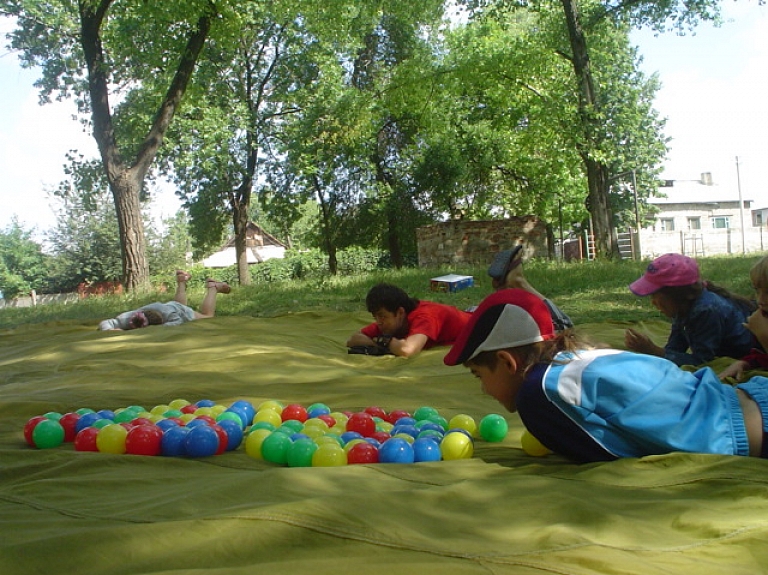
456	445
268	415
465	422
253	442
111	439
533	446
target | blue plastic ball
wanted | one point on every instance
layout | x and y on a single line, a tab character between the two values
201	441
396	450
247	407
166	424
348	436
242	414
86	420
426	449
205	403
173	442
234	433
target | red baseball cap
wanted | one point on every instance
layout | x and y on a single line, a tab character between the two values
666	271
506	318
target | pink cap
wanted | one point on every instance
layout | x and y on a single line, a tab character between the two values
666	271
506	318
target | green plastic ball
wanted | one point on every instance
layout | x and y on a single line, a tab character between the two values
493	428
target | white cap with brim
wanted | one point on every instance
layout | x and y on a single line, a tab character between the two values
505	319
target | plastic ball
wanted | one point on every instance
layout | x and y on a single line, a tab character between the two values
363	452
160	409
124	416
254	441
85	440
172	443
396	450
233	416
205	403
381	436
191	408
272	404
223	439
431	434
329	438
166	424
464	421
362	423
47	433
30	427
68	421
84	410
456	445
86	420
425	412
348	436
268	415
406	429
274	448
100	423
54	415
242	414
329	420
178	404
111	439
396	414
426	449
234	433
144	440
329	455
317	409
376	411
493	427
292	426
533	446
201	441
294	411
171	413
247	407
300	453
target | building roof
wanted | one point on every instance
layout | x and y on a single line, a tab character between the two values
701	191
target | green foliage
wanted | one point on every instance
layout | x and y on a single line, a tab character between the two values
23	266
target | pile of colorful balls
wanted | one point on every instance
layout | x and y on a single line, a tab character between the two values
292	435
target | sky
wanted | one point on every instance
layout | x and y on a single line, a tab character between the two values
714	84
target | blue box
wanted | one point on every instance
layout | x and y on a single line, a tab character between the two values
451	283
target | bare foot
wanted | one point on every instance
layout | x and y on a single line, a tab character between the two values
220	287
182	276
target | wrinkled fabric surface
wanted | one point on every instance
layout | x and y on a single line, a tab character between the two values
501	511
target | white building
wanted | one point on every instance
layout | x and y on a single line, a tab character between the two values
700	218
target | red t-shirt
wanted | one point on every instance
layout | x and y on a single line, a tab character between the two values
441	323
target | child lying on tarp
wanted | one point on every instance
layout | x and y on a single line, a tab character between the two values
404	325
173	312
602	404
707	320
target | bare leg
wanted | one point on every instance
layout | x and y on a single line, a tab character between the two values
516	279
212	289
182	278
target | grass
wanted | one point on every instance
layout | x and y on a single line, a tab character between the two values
588	291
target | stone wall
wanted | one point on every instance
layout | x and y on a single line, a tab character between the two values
463	242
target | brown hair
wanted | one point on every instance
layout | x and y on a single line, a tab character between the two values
153	317
683	296
758	275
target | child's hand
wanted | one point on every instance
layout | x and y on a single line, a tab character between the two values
641	343
735	370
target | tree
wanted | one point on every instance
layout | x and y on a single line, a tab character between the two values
88	50
23	265
583	20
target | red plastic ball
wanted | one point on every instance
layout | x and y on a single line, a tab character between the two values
396	414
85	440
294	411
30	427
331	421
223	438
381	436
144	440
376	411
68	421
363	453
362	423
191	408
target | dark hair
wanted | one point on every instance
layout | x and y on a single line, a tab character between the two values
683	296
390	298
539	352
153	317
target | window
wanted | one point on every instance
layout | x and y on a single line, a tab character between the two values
694	223
757	220
667	224
721	222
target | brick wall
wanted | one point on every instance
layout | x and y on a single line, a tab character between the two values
476	242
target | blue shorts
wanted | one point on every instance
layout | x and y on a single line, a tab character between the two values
757	389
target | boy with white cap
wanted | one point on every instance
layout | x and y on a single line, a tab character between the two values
602	404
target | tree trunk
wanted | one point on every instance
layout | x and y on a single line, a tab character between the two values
133	245
240	224
598	201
